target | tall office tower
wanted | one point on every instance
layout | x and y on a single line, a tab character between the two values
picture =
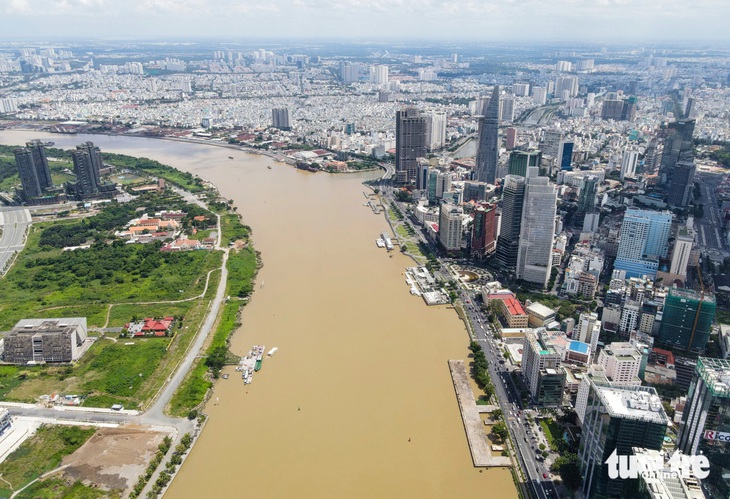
617	418
476	191
280	118
28	174
687	319
443	184
682	248
450	227
433	178
587	193
539	95
551	142
436	130
488	151
520	161
422	175
622	362
87	163
644	239
535	253
677	144
629	110
349	72
510	138
509	233
41	163
521	89
410	143
705	426
565	155
680	187
629	161
482	237
652	156
569	83
588	330
591	221
541	369
507	108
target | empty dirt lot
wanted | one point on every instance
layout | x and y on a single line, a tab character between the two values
113	458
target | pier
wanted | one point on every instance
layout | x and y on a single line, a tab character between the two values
481	452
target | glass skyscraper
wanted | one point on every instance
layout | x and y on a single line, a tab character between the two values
644	239
488	149
535	253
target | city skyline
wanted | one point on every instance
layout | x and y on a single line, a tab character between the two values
567	20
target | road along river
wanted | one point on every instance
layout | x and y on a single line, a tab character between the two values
358	401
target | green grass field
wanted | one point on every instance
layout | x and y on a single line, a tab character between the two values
122	314
552	431
232	229
40	453
53	488
241	271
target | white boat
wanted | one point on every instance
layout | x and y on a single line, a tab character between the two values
380	243
272	351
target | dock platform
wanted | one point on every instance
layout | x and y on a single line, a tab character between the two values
481	452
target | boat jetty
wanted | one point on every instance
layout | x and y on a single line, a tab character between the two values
384	241
250	363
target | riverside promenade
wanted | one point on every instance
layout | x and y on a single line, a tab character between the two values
481	452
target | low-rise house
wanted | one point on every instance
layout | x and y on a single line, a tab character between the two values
150	327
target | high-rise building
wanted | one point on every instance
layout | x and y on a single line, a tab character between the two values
534	256
677	144
509	233
510	138
617	418
87	163
422	175
410	143
551	142
680	187
705	426
349	72
588	330
619	109
569	83
687	319
476	191
544	377
280	118
41	163
28	173
507	108
450	227
482	237
436	130
521	89
488	149
587	193
520	161
644	239
379	74
622	362
565	155
629	161
539	95
682	248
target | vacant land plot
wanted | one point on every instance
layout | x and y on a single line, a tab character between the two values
110	373
53	488
113	458
40	453
122	314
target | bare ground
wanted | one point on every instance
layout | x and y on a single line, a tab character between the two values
113	458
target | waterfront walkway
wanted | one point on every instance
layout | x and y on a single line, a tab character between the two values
481	453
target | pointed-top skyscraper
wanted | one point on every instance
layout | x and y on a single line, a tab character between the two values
488	152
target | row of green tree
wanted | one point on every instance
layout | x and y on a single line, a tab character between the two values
480	369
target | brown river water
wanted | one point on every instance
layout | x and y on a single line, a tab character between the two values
358	400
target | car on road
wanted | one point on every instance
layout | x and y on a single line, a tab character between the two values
544	475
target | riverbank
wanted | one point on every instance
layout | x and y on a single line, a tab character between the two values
361	366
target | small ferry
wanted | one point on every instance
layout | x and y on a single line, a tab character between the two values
272	351
269	167
380	243
230	157
259	352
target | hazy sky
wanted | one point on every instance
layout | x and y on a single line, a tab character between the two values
534	20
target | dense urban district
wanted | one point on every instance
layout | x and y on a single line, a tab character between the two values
571	204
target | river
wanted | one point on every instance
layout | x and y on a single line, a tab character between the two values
358	401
